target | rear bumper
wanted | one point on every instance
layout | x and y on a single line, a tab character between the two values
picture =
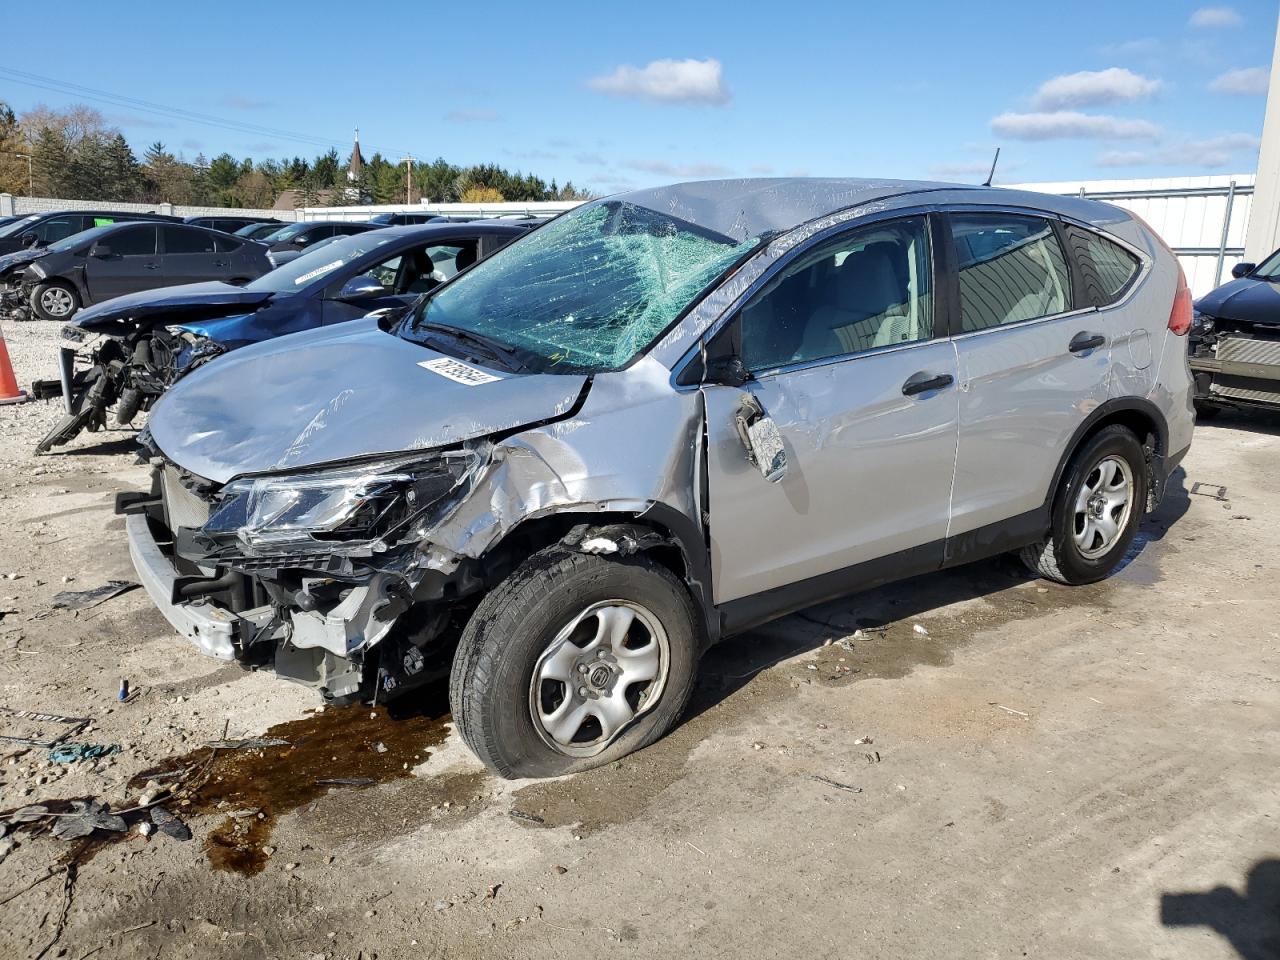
212	629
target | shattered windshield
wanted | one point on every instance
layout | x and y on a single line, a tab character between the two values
318	262
586	292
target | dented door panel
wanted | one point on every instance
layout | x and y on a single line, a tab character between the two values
868	469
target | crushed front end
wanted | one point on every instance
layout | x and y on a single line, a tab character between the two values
1235	361
323	575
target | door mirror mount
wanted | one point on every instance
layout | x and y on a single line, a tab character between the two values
727	372
1243	269
361	287
102	251
28	239
761	438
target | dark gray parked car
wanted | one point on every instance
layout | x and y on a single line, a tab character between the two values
292	239
661	419
106	262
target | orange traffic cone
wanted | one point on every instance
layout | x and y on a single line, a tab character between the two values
9	392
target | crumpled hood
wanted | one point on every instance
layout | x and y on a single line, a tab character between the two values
1253	301
189	301
337	393
10	260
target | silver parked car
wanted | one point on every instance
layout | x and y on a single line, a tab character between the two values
659	420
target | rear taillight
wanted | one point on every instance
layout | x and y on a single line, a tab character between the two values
1180	315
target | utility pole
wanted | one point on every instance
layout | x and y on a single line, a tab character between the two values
408	178
31	190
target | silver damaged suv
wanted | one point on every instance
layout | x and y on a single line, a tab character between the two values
658	420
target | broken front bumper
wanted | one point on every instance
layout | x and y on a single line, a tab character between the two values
1241	369
211	628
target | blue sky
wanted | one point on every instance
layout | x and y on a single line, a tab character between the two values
615	96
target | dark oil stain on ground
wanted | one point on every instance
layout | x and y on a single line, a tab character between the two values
333	744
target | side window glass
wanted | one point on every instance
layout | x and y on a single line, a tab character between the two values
866	289
385	272
1011	268
1114	266
59	228
134	242
190	240
226	244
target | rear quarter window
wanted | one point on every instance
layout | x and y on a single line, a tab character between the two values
1107	269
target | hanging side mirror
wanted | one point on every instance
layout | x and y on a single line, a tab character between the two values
1242	270
761	439
727	372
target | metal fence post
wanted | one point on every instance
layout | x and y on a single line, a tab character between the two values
1226	230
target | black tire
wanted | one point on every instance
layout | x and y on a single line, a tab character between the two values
66	293
490	684
128	405
1059	557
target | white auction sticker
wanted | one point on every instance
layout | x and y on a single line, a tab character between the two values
457	371
318	272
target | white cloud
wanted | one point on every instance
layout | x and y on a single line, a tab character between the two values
679	169
1216	17
1209	153
1245	80
667	81
1070	125
471	116
1093	87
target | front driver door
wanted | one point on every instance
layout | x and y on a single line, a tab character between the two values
132	263
843	358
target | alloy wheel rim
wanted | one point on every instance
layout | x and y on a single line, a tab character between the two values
604	669
1102	507
56	302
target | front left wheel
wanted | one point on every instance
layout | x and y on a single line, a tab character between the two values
54	300
575	660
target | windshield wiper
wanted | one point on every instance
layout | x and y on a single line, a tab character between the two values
502	352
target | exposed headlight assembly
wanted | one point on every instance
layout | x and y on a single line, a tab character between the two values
316	512
1201	323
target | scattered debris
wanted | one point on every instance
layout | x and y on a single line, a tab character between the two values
123	695
85	817
29	727
560	870
835	783
75	752
1000	706
1199	489
83	599
919	630
249	743
169	825
864	740
492	892
527	817
347	781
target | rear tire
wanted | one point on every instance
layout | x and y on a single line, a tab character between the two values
55	300
1097	511
603	623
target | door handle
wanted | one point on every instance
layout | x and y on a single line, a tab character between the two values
924	381
1086	341
220	263
151	266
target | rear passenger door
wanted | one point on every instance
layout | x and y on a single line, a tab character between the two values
191	255
1033	363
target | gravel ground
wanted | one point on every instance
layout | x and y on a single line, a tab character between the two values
1043	772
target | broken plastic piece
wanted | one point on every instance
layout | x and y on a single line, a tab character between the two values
169	825
87	816
82	599
75	752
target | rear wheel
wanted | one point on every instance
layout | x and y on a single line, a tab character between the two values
574	661
54	300
1096	512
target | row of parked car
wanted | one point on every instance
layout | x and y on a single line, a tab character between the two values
554	462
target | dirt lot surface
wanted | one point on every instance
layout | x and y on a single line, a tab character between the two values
1037	771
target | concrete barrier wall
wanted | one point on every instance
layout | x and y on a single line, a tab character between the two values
11	206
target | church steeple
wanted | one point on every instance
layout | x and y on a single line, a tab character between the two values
356	164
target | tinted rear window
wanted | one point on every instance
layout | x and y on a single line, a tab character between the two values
180	240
